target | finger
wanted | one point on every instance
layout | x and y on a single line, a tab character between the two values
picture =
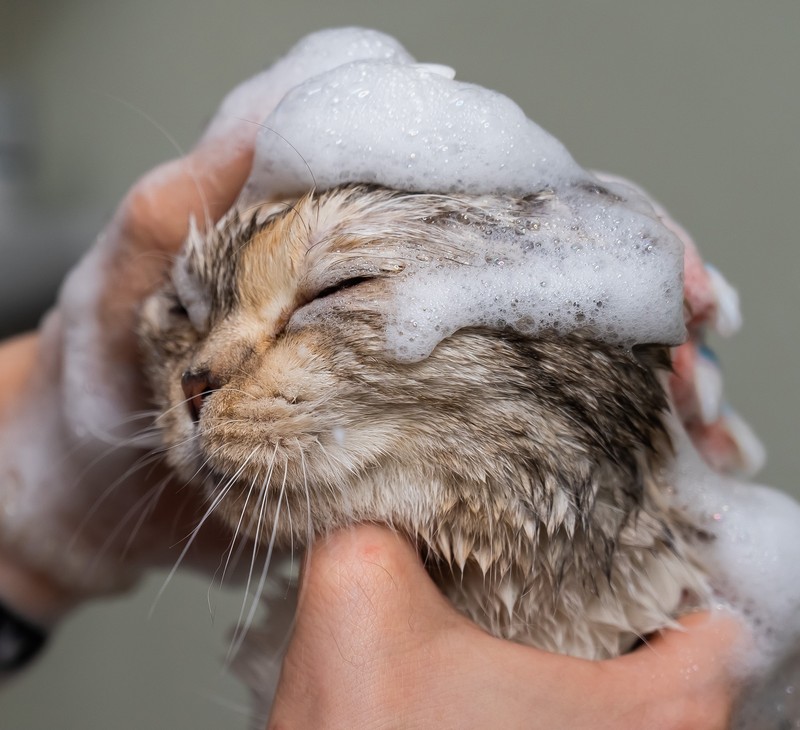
369	621
707	637
17	362
698	663
684	677
370	580
155	215
204	184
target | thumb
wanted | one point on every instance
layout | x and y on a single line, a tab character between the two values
367	611
698	662
367	588
700	640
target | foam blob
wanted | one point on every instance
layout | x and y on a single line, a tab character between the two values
597	260
753	559
581	260
405	126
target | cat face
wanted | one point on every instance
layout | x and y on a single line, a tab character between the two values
267	355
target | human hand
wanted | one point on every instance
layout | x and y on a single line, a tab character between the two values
82	508
376	645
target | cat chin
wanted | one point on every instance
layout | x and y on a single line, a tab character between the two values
521	580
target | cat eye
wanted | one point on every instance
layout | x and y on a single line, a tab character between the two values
342	286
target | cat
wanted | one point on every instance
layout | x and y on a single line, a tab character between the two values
527	469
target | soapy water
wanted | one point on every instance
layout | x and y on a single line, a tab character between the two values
358	109
413	127
552	271
754	565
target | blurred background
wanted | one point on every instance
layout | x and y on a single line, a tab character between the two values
697	102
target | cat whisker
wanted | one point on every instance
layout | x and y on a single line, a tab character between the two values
155	495
259	511
178	149
242	632
171	409
230	549
143	461
110	437
281	137
144	505
309	521
220	496
164	449
243	542
200	468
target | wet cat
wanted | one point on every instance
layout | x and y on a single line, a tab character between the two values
527	469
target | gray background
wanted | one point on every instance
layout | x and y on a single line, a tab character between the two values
697	101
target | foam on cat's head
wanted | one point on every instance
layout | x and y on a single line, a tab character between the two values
598	261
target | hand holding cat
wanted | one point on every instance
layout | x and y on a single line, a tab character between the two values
377	645
82	512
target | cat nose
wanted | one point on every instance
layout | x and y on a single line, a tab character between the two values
197	386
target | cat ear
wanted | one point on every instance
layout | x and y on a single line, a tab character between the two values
185	277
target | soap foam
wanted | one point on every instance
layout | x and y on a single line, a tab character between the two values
753	559
405	126
597	261
580	261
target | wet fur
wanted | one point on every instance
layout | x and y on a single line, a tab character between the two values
527	469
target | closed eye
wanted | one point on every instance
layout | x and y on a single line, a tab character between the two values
342	285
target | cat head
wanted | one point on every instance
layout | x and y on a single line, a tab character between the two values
267	354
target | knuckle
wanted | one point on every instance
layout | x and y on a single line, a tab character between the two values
139	214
